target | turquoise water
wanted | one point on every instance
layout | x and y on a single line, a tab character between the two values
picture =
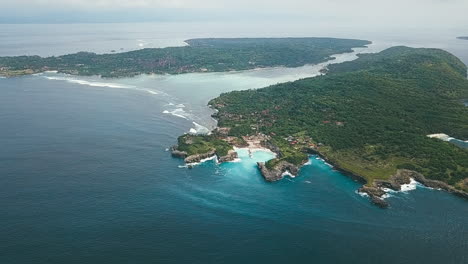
85	175
460	143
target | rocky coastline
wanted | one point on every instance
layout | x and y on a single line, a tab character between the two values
377	190
192	159
278	171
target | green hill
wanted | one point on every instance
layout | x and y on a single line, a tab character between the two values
201	55
369	117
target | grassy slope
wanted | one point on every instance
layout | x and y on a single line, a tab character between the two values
200	144
387	103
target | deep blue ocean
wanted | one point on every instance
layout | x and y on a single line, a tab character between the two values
85	177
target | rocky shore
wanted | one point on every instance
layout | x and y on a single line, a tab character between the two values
191	159
232	155
401	177
376	190
278	171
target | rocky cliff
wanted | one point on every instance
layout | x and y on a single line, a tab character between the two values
401	177
232	155
277	172
198	157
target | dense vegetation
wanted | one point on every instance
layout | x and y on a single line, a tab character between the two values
201	144
369	116
201	55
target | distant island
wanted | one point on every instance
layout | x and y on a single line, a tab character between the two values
371	118
201	55
465	38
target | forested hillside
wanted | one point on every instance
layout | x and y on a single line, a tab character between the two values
201	55
370	116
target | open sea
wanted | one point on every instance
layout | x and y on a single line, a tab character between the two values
85	175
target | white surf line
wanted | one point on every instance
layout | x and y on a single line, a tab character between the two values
179	112
99	84
444	137
404	188
214	157
199	129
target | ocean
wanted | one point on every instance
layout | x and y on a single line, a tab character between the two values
85	175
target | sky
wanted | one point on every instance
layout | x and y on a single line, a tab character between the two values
362	13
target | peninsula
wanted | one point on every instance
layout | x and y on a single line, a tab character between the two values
369	118
464	38
200	55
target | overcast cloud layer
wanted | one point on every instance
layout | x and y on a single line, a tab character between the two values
427	13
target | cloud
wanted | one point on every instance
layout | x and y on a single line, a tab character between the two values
268	4
399	12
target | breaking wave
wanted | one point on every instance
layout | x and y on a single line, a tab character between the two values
89	83
100	84
362	194
179	112
410	186
199	129
189	165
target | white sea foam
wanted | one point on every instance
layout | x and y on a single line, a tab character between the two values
410	186
199	129
180	105
90	83
387	195
287	173
322	160
179	112
363	194
99	84
403	189
193	164
203	160
388	190
151	91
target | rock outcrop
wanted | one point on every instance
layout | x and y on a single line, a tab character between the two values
277	172
198	157
178	154
232	155
375	195
401	177
431	183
